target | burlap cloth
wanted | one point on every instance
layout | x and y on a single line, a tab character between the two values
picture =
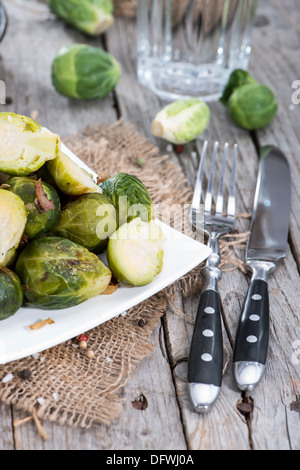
62	384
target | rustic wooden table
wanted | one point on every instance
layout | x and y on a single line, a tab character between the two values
272	421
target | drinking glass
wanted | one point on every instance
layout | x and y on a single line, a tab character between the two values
188	48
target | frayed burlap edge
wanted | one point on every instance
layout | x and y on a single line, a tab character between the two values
65	386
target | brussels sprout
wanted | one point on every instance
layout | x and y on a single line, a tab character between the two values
70	178
11	293
237	79
135	252
181	121
81	71
129	196
40	220
88	221
253	106
56	273
92	17
13	218
24	145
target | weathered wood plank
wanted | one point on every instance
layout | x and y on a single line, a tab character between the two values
279	71
280	32
6	430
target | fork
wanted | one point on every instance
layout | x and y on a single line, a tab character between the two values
206	354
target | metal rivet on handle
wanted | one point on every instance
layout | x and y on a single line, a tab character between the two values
209	310
206	357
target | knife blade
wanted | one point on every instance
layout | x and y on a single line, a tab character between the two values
266	247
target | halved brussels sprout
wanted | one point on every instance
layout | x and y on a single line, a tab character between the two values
24	145
81	71
181	121
11	293
41	203
135	252
92	17
130	197
56	273
13	218
88	221
70	178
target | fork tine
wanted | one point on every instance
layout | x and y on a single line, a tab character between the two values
208	198
231	198
199	181
220	198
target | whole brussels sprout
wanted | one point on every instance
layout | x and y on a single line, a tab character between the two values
56	273
11	293
92	17
88	221
24	145
181	121
253	106
237	79
40	220
13	218
130	197
135	252
81	71
70	178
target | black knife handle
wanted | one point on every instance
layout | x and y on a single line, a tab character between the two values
252	338
206	353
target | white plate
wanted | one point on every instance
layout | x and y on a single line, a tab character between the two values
17	341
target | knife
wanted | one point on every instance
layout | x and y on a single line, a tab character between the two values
266	247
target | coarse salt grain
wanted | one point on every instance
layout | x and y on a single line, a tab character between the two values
55	396
41	401
109	359
35	355
42	359
75	346
7	378
169	148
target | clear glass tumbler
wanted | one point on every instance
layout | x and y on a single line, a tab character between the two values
189	47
